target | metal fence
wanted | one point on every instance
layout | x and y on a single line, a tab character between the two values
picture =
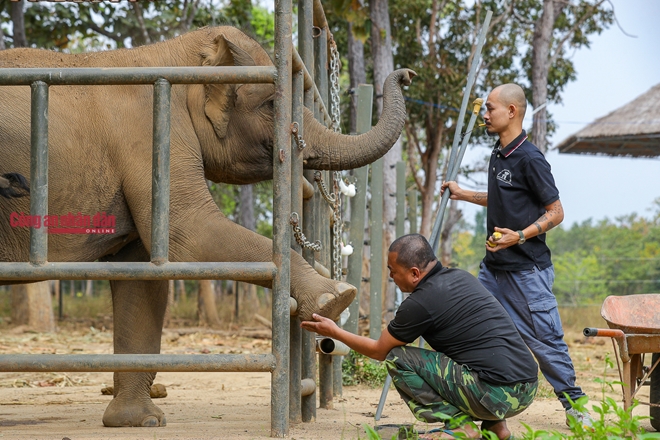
291	363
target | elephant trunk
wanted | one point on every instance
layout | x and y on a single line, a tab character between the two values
328	150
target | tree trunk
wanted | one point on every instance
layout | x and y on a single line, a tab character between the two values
383	60
206	307
31	305
170	303
247	219
180	290
453	216
540	65
18	20
89	288
356	71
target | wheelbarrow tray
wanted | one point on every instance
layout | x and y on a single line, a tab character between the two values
633	314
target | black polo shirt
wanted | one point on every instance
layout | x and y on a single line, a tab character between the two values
520	186
457	316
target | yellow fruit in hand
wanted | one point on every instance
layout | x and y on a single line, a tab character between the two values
496	236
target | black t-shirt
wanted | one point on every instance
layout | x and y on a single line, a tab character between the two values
520	186
457	316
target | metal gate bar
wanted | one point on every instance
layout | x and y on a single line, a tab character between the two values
93	76
137	271
136	362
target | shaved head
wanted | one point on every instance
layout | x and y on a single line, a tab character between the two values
512	94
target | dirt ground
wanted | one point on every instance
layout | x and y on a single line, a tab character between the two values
224	405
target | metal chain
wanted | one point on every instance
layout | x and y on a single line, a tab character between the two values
328	196
336	230
337	224
334	85
294	220
295	132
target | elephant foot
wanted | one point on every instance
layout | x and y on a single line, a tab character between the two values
123	413
335	297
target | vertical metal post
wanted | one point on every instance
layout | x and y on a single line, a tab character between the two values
279	404
39	172
160	177
296	206
412	210
306	50
365	94
400	198
321	79
376	227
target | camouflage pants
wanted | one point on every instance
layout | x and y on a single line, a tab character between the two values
437	389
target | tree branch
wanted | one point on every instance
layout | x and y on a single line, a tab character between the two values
99	30
140	18
571	31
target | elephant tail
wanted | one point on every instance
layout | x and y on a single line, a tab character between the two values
13	185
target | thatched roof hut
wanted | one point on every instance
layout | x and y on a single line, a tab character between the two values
632	130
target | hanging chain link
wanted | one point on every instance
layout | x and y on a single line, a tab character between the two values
337	224
327	196
294	220
334	85
295	132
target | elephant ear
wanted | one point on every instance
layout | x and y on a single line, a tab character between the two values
220	99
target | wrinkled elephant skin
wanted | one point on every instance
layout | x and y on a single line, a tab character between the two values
100	154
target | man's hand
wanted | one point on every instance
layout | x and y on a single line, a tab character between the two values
321	325
458	193
454	189
509	238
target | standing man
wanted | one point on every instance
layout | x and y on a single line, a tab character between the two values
480	369
523	204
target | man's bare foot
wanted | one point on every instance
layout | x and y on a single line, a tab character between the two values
468	431
497	427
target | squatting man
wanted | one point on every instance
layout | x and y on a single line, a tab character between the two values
479	368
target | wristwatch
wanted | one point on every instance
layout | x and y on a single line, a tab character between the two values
522	237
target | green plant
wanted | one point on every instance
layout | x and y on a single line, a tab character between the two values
358	369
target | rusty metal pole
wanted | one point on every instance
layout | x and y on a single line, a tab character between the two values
306	50
279	406
295	395
321	79
39	171
160	178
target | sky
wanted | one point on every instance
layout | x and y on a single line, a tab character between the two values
615	70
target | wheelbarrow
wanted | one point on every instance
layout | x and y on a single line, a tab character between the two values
634	323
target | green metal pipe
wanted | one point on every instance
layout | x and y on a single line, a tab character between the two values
39	171
400	198
138	75
136	362
160	178
365	94
376	241
412	210
137	271
279	408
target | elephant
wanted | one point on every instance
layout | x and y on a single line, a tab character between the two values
13	185
100	155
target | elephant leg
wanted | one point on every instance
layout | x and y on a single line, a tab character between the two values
138	313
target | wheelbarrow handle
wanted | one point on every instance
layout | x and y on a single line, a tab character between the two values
606	332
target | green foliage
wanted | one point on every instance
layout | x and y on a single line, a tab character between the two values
358	369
